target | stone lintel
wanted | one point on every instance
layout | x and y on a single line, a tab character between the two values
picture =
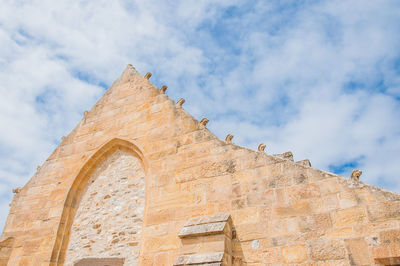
205	225
200	259
202	229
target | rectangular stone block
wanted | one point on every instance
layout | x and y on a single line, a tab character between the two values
247	232
303	191
298	208
202	229
199	259
161	243
358	251
206	225
294	254
216	243
384	211
390	237
249	215
322	249
343	232
388	255
315	222
222	217
350	216
283	226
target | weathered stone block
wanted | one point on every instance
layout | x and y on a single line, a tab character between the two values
388	255
284	226
247	232
303	191
294	254
298	208
202	229
199	259
384	211
305	162
206	225
343	232
358	251
271	255
161	243
315	222
350	216
248	215
390	237
223	217
286	155
327	249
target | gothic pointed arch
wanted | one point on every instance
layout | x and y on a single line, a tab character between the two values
78	187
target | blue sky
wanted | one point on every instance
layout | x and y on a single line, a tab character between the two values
318	78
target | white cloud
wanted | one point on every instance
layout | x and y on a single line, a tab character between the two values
320	78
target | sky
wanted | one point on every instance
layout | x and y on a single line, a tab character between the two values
318	78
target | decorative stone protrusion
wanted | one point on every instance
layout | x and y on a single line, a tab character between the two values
148	75
204	121
305	162
17	190
229	138
85	113
205	225
180	102
63	138
286	155
38	168
163	89
261	147
355	175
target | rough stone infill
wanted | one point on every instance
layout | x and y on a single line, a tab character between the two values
108	222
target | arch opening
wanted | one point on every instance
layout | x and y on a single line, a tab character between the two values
115	170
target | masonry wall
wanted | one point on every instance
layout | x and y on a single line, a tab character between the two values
108	222
282	212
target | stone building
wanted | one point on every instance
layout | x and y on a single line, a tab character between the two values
139	181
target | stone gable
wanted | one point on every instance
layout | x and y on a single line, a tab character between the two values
139	181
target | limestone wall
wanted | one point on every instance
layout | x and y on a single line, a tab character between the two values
5	250
283	213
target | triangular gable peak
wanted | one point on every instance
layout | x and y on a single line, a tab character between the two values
281	211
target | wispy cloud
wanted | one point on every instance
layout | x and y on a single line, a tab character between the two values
319	78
